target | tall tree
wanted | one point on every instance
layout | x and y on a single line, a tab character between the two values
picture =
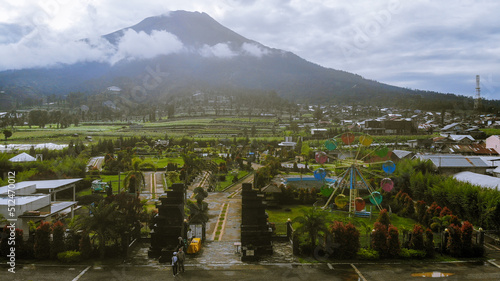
101	221
312	223
7	134
134	180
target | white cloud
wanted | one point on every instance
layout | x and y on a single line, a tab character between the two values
39	49
221	50
139	45
411	48
254	50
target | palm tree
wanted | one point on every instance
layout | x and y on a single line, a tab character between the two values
198	214
100	221
134	180
200	194
312	222
192	165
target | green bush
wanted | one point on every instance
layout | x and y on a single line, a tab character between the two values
412	254
368	254
145	232
89	199
69	256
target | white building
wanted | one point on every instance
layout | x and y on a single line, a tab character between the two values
36	201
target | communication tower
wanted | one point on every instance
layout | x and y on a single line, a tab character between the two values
477	100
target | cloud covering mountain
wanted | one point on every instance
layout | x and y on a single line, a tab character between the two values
421	44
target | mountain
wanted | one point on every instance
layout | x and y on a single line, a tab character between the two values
189	51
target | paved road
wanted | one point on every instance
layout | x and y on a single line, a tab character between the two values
153	186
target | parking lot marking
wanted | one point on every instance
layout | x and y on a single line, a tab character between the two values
81	274
493	263
358	272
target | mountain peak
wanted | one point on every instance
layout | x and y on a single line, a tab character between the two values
194	29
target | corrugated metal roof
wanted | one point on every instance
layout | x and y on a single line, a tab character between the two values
478	179
454	161
401	153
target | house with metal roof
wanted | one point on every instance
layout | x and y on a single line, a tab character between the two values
32	201
452	164
453	128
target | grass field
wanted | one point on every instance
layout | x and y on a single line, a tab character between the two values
162	162
107	178
280	217
229	180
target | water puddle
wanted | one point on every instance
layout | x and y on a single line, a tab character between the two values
434	274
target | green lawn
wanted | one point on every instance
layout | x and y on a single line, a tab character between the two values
491	131
229	180
162	162
107	178
364	225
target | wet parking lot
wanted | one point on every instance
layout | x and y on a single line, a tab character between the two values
254	271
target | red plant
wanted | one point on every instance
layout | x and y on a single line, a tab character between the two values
467	230
345	239
445	212
417	238
454	240
383	218
42	241
394	247
379	238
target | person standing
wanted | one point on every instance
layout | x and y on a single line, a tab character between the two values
181	243
181	256
189	236
174	263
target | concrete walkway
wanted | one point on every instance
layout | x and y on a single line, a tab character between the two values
219	248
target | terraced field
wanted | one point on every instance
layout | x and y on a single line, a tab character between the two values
199	127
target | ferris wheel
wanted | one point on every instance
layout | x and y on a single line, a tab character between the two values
351	180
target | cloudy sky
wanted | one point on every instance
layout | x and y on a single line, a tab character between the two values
420	44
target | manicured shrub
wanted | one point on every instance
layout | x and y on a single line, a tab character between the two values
394	247
429	243
445	212
466	232
432	211
368	254
379	239
57	245
69	256
454	245
42	241
383	218
417	238
455	220
345	239
409	207
4	243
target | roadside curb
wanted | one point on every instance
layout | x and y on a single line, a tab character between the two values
243	264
